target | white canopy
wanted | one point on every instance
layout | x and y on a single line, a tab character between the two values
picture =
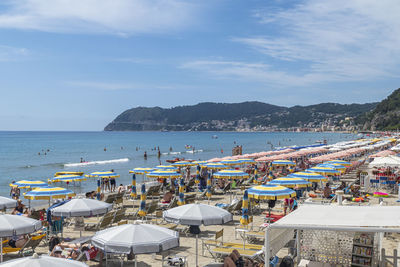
389	161
197	214
42	261
82	207
11	225
136	238
7	203
343	218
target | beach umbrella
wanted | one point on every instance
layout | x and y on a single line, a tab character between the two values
133	193
166	167
142	211
141	170
48	192
67	178
290	182
283	162
196	215
81	207
231	174
197	180
181	200
341	162
98	189
42	261
7	203
324	170
248	161
334	166
309	176
164	174
136	239
209	192
244	220
270	192
13	225
231	162
28	184
215	166
199	162
183	164
106	174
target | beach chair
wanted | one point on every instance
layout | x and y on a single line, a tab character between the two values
172	204
219	252
104	222
190	198
234	207
119	215
118	201
30	246
157	217
152	207
110	198
218	239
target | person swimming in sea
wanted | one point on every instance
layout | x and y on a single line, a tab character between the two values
145	155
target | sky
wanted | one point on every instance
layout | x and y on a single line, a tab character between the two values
73	65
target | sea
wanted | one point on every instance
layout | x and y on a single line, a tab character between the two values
39	155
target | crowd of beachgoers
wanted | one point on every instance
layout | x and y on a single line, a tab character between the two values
226	202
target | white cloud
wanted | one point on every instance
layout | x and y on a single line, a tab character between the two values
9	53
340	40
121	17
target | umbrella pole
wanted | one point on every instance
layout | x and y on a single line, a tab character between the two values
197	254
135	260
1	246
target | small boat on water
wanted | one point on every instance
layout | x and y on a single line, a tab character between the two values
67	173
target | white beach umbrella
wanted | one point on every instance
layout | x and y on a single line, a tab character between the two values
82	207
136	239
42	261
7	203
11	225
197	214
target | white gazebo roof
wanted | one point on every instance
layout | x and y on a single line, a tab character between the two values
343	218
389	161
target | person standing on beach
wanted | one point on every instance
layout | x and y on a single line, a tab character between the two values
112	182
145	155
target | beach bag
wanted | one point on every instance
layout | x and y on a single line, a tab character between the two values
176	261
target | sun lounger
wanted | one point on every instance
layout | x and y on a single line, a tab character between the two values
110	198
104	222
119	215
218	252
234	207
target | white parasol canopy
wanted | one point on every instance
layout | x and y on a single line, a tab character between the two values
197	214
17	225
42	261
82	207
7	203
136	238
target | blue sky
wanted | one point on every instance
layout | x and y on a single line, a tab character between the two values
76	64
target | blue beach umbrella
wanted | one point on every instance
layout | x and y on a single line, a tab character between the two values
215	166
142	211
103	175
309	176
48	192
290	182
341	162
231	174
140	170
164	174
182	164
181	200
197	181
231	162
209	192
334	166
270	192
28	184
283	162
244	220
166	167
324	170
98	189
247	161
67	178
133	193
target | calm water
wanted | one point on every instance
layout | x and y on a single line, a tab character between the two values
19	158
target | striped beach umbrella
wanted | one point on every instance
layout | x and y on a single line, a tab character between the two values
165	168
270	192
324	170
209	192
133	193
182	164
244	220
67	179
283	162
199	162
181	200
142	211
28	184
341	162
231	162
290	182
334	166
215	166
103	175
231	174
98	189
197	180
309	176
164	174
48	192
255	172
248	161
141	170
